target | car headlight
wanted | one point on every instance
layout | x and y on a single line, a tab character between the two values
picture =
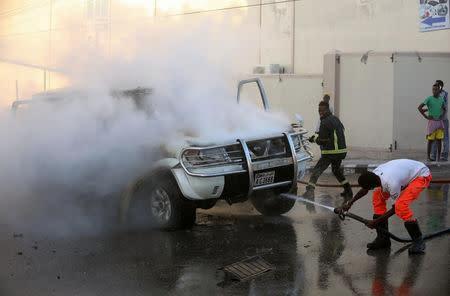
213	156
213	160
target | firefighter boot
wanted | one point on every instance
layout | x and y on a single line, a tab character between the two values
413	229
347	193
382	240
309	193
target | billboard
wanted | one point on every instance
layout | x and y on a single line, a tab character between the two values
433	15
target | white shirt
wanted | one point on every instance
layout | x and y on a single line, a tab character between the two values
395	175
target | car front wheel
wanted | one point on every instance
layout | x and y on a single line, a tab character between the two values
159	203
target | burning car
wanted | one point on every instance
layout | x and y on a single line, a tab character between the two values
195	174
259	169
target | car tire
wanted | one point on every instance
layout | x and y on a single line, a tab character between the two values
159	203
269	203
206	204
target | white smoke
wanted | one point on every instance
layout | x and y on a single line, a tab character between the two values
91	145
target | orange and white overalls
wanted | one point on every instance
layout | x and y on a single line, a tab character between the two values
402	180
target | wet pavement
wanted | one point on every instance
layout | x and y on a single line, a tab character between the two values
311	251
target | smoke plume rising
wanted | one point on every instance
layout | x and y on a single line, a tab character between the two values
62	160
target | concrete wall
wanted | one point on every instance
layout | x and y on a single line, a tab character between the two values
359	26
33	38
414	75
296	35
379	92
366	100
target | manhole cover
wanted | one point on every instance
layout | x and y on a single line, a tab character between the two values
248	268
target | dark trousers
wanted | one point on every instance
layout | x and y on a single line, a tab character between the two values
322	165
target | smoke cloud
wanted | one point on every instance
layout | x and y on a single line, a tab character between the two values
65	162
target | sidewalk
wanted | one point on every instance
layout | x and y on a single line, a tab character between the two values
359	160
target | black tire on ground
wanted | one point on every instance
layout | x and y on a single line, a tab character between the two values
159	203
269	203
206	204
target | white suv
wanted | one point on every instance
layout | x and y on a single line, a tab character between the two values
200	174
259	169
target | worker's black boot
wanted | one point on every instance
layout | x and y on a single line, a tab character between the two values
413	229
309	192
382	240
347	193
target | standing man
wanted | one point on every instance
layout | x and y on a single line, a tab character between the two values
444	154
402	180
435	125
331	138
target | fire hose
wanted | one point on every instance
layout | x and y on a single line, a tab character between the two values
357	185
342	214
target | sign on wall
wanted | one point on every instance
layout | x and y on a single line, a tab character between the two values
433	15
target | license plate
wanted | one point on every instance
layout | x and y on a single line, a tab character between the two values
264	178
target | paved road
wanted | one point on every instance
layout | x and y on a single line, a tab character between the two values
312	253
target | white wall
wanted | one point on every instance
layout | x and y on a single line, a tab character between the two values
296	35
359	26
379	99
366	100
276	35
413	80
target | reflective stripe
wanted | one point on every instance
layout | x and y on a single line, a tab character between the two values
312	184
334	151
336	147
344	182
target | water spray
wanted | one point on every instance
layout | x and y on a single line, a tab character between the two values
342	214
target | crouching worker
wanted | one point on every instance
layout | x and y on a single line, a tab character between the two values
402	180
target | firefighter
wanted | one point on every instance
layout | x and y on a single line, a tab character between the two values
333	151
402	180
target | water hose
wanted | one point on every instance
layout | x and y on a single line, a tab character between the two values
342	214
445	181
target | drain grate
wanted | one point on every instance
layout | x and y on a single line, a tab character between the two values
247	268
